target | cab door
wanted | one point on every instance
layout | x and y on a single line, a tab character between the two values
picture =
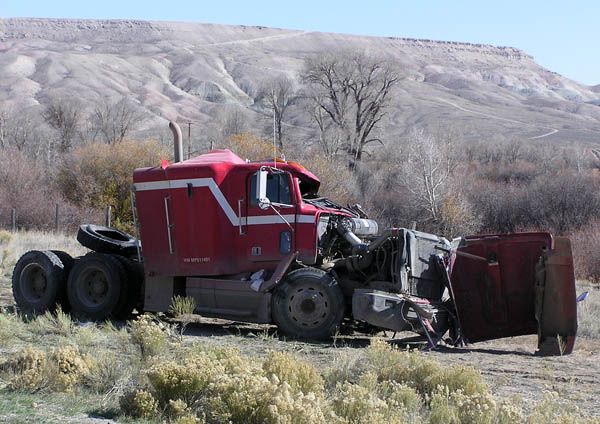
269	233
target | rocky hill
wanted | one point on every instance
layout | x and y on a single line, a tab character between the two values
193	71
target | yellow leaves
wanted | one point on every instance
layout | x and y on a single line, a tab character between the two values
251	147
99	175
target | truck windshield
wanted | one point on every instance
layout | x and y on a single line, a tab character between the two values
278	189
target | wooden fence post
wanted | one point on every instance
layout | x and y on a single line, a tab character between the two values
56	219
108	215
13	220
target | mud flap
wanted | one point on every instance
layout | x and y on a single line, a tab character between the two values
555	300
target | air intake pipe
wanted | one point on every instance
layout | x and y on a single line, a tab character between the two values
344	228
177	141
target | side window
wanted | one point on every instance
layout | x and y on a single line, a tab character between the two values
278	189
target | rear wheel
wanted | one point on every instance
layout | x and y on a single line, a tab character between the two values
131	288
95	285
68	262
38	281
308	304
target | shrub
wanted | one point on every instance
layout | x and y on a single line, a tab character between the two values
300	375
186	381
26	369
66	368
98	175
104	372
586	252
253	398
27	185
11	328
552	409
148	335
139	404
181	305
250	146
358	404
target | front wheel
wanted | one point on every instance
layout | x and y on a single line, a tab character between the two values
308	304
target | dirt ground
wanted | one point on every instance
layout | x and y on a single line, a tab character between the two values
508	365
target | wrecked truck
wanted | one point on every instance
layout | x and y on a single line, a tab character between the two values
256	242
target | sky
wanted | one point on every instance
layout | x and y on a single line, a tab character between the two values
563	36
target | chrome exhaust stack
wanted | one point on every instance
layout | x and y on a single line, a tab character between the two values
177	141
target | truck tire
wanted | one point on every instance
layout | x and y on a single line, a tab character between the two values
131	289
38	282
107	240
67	261
308	304
94	286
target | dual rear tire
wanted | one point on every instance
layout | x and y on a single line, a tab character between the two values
39	281
96	286
102	286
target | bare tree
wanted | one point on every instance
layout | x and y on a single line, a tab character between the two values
278	95
352	91
330	135
426	171
20	129
233	122
114	121
3	126
63	116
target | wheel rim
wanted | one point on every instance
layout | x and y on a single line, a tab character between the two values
93	287
33	282
308	306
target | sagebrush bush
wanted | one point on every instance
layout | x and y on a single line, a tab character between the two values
139	404
357	404
26	369
60	370
183	381
67	368
300	375
150	336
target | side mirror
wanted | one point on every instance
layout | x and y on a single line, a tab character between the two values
261	190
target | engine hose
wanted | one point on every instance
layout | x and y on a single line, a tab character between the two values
345	230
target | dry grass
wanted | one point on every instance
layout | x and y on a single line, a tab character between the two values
588	311
13	245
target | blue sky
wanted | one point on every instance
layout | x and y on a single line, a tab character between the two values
563	36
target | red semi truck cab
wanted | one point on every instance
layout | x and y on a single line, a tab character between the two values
200	217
